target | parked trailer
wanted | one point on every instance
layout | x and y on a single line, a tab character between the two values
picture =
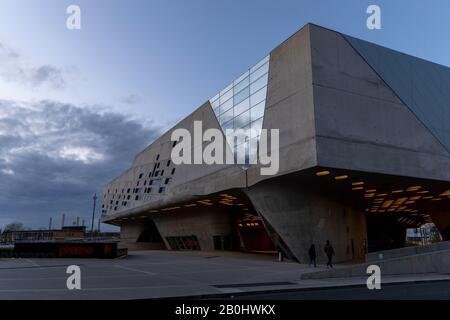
99	250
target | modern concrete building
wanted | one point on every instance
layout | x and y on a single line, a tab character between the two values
364	141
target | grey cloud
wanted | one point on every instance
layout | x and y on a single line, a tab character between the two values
14	68
131	99
7	52
47	74
53	156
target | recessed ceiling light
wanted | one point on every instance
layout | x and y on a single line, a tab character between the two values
400	200
387	203
322	173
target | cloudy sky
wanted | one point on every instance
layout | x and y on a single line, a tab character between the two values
76	106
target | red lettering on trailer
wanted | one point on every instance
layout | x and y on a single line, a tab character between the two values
72	250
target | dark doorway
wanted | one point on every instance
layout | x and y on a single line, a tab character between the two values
384	233
250	233
150	233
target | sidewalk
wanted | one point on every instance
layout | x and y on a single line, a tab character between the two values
331	283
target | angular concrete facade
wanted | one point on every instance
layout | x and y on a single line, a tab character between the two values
358	164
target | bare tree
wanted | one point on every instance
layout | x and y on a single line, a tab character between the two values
14	226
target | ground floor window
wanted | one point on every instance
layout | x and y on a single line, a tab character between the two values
222	242
183	243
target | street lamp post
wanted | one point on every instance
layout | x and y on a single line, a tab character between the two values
93	216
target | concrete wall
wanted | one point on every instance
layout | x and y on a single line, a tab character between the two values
360	122
129	232
187	182
408	251
432	262
204	223
289	105
301	217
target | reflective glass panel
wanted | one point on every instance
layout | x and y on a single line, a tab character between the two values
241	85
227	88
260	63
228	125
258	84
227	95
242	95
258	73
227	116
242	77
215	104
256	127
226	106
242	120
232	104
216	97
257	111
241	107
258	96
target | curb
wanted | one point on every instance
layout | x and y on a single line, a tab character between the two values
268	291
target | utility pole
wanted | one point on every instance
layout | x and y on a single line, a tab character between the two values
62	220
50	224
93	216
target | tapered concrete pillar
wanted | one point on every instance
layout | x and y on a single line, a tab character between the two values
301	217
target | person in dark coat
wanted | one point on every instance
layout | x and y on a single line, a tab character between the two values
312	255
329	251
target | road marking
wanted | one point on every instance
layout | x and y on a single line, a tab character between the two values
136	270
34	263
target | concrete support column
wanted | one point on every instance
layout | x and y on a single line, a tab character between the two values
301	217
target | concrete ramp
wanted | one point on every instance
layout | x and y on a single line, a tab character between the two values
408	251
434	260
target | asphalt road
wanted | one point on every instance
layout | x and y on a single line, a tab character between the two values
434	290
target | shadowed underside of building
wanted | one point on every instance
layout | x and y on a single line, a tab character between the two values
364	154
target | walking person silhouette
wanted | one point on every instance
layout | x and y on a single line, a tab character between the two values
329	251
312	255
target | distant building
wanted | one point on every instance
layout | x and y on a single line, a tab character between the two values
75	232
66	233
426	234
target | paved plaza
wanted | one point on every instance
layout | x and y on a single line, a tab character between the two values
162	274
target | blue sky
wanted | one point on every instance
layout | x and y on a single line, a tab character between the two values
144	65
